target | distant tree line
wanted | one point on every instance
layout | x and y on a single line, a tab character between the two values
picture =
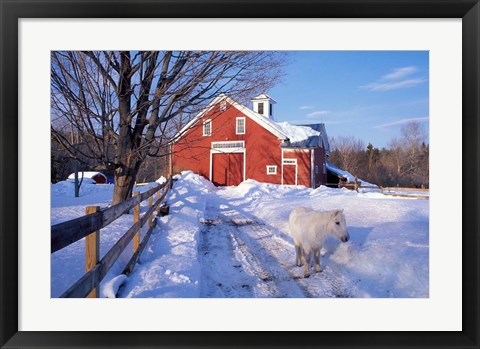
404	163
62	164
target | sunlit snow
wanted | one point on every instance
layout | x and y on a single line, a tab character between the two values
234	242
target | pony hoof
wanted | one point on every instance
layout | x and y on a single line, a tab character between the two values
306	276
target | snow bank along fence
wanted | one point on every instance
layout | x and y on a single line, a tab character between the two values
391	191
88	227
406	192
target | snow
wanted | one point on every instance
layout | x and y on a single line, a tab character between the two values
86	175
341	173
347	175
296	133
234	242
161	180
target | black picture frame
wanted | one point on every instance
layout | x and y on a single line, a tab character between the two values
12	11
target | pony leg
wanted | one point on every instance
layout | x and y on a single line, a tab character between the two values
316	259
298	254
307	258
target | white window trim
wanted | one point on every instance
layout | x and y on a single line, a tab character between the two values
204	123
289	161
228	147
272	167
223	105
244	126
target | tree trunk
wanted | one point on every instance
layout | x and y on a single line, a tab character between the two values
125	177
77	182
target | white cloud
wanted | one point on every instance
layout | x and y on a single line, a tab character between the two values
403	121
337	122
306	107
396	79
318	113
400	73
393	85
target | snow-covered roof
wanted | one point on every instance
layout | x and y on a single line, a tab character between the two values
296	133
341	173
293	135
263	97
87	174
315	137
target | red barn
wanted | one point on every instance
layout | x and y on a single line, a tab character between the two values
228	143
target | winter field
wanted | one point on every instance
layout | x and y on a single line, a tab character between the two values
234	242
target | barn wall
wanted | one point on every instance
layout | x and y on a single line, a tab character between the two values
99	179
192	151
320	159
263	149
303	164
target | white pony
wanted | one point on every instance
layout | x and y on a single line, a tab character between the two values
310	228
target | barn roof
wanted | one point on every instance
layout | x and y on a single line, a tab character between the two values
264	96
317	139
313	135
267	123
347	176
86	174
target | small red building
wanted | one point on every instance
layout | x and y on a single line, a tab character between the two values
89	176
228	143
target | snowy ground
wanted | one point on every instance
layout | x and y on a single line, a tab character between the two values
234	242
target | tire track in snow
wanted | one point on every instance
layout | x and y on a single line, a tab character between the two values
229	268
255	261
222	276
329	283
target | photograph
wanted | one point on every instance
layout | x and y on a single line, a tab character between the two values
240	174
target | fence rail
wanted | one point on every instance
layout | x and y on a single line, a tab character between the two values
403	189
391	191
66	233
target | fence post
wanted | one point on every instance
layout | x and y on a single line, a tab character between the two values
136	218
92	250
150	204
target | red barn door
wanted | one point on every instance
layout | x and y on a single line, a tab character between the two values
227	169
290	171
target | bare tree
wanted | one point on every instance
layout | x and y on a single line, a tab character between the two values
347	153
404	163
126	105
409	156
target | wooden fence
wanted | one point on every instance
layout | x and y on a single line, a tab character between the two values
88	227
391	191
394	191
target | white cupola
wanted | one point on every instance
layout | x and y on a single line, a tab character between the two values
263	105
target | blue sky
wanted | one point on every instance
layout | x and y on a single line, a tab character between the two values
365	94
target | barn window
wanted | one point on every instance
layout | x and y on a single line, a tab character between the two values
207	128
316	169
324	169
240	126
272	170
289	161
260	108
228	145
223	105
